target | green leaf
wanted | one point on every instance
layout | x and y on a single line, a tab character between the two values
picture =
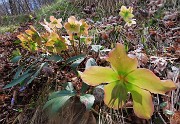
74	58
18	80
96	48
16	52
18	72
61	93
168	112
84	87
69	86
56	103
36	73
59	102
90	62
163	104
76	63
15	59
96	75
55	58
58	99
178	103
88	100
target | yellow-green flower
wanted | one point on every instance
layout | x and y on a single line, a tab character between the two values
83	27
88	40
56	43
124	77
126	13
72	26
55	22
34	35
31	39
130	22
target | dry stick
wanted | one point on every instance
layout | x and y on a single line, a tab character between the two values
172	93
35	115
16	119
162	118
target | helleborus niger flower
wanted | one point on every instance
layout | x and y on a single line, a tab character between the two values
72	26
83	28
56	43
124	77
55	22
130	22
126	13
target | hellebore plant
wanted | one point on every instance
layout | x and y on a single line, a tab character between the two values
72	26
124	77
55	22
56	43
30	39
83	28
126	14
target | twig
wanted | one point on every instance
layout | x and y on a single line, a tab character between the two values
35	115
162	118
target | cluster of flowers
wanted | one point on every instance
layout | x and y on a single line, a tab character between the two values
126	14
52	40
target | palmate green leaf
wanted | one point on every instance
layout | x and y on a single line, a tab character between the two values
74	58
61	93
168	112
69	86
96	75
163	104
84	87
90	62
15	59
146	79
18	80
88	100
36	72
57	99
57	103
55	58
96	48
18	72
76	63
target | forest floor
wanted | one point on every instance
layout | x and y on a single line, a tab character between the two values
154	40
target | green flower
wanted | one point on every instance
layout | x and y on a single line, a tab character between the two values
126	13
55	22
124	77
83	28
56	43
130	22
72	26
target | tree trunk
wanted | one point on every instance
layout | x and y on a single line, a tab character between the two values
13	8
